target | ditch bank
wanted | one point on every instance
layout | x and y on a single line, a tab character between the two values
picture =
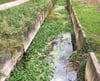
9	64
92	70
80	36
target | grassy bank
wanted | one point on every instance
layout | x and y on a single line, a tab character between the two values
31	68
88	15
15	20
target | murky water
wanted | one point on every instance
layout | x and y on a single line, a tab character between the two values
62	49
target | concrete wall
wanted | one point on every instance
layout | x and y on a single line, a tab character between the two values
92	72
79	33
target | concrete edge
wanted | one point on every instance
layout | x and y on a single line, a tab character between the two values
79	32
92	72
38	22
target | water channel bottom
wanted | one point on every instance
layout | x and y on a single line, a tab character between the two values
62	49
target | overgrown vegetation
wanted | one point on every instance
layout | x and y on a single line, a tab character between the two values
31	67
16	20
79	59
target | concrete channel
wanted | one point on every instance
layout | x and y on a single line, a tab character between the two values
62	50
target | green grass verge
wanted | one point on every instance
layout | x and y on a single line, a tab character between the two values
88	15
17	19
5	1
31	68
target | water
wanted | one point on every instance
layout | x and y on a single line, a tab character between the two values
62	49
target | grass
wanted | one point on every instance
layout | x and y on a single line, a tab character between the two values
31	68
16	20
5	1
88	15
98	57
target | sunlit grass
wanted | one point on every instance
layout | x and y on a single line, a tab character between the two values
89	16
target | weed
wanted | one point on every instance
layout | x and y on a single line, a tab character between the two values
16	20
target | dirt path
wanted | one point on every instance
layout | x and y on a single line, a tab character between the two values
12	4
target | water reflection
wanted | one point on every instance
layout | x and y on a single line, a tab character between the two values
62	49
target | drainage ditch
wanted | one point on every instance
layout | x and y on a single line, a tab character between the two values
35	65
61	48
